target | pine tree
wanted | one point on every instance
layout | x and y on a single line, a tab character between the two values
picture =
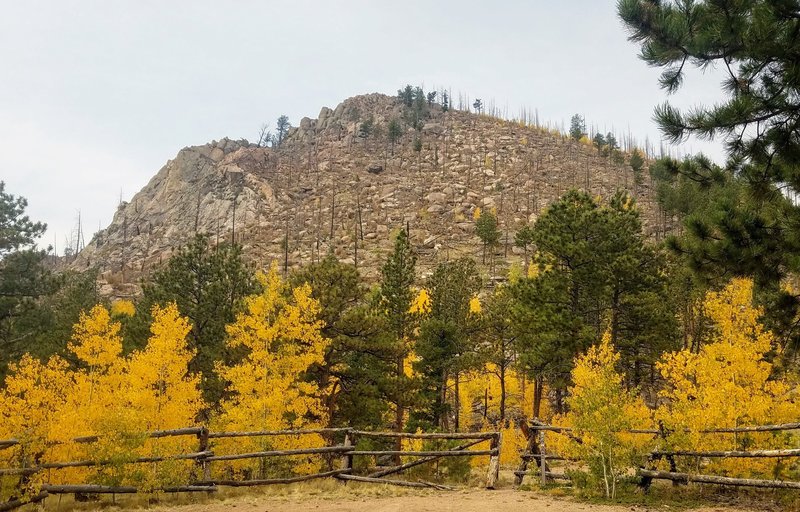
23	276
394	301
354	377
487	230
208	285
443	345
592	267
755	44
577	127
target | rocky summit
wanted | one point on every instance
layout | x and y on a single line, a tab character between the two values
346	181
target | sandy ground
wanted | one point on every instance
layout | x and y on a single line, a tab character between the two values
457	501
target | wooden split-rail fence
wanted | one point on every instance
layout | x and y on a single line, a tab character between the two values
536	450
341	444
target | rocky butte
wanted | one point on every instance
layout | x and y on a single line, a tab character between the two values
340	183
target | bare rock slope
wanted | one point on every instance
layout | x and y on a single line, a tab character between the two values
337	185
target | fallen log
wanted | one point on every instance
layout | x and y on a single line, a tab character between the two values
732	454
281	453
258	433
19	502
140	460
156	434
108	489
548	474
8	443
440	453
717	480
413	463
272	481
401	483
431	435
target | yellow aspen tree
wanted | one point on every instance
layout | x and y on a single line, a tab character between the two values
728	383
100	404
165	395
281	334
602	411
30	406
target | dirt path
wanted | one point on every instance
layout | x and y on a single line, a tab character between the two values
459	501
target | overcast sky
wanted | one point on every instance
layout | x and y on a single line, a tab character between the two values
95	96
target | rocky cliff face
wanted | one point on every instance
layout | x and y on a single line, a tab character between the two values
334	186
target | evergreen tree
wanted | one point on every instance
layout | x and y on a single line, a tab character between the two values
593	268
599	140
444	335
208	284
637	162
394	132
394	301
359	362
577	127
498	339
406	95
23	275
282	128
755	43
487	230
524	239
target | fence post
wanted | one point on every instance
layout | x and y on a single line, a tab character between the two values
347	458
202	446
494	461
530	449
542	457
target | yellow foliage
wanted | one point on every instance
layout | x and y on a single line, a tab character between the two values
728	384
280	331
585	140
421	304
113	397
122	307
476	213
475	305
601	413
96	340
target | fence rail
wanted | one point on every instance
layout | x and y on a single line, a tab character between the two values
204	457
536	450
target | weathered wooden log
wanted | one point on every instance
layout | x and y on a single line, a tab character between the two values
190	488
536	456
346	463
88	489
282	453
429	435
549	474
402	483
187	431
531	447
732	430
413	463
556	428
19	502
8	443
19	471
733	454
272	481
257	433
140	460
493	471
718	480
107	489
752	428
440	453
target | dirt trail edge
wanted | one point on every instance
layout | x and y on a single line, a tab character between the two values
460	501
